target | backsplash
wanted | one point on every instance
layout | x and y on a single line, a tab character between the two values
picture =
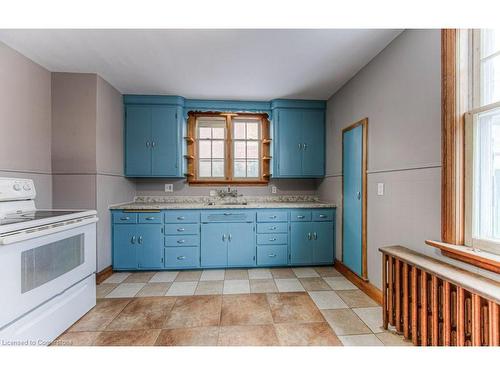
156	187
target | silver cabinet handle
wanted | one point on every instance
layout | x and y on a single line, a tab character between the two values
150	218
322	216
229	237
147	144
181	241
315	236
223	237
227	213
125	218
300	146
358	195
182	257
180	217
304	146
180	229
132	240
272	255
140	240
301	217
309	236
272	228
272	239
153	144
272	217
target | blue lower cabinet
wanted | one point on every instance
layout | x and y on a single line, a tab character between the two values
182	257
149	246
241	245
323	238
124	247
214	245
301	243
272	255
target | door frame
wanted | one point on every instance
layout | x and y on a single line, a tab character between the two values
364	165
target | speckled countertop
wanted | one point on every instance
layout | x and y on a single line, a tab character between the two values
196	202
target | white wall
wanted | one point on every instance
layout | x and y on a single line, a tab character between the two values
400	93
25	122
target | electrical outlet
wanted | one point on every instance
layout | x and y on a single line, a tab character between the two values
213	193
380	188
273	189
169	188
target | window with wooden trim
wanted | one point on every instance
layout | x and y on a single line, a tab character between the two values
482	144
227	148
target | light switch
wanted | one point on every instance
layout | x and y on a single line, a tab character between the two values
380	188
169	188
273	189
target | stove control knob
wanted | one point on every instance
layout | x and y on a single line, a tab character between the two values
17	187
26	187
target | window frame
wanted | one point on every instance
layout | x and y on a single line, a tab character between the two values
264	150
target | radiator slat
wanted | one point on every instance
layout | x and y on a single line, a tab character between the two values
423	309
460	317
446	314
397	295
435	312
414	305
406	320
390	290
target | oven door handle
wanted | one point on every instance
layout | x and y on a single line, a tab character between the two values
24	235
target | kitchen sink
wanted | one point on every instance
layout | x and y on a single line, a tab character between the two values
227	203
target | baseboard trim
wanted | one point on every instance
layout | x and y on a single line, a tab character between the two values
104	274
373	292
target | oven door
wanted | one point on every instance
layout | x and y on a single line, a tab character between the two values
37	269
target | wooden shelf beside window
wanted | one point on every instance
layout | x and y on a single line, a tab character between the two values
481	259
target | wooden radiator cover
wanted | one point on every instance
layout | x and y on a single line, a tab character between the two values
433	303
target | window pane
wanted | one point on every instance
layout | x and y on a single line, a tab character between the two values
252	150
252	130
205	133
490	41
490	80
239	130
218	133
205	168
487	176
218	168
239	150
252	168
218	149
239	168
205	149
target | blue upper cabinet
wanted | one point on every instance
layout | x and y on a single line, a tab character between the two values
298	138
153	136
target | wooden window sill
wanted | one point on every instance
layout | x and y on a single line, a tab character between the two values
481	259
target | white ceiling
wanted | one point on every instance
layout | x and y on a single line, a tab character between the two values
208	64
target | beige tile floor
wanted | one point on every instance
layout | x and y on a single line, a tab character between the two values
277	306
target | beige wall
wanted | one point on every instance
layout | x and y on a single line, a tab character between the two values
399	92
25	122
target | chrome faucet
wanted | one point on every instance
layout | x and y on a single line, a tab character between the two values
228	192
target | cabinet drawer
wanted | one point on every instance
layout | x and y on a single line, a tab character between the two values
322	215
150	217
124	218
182	257
300	215
226	216
272	228
271	216
272	239
193	240
272	255
182	229
182	217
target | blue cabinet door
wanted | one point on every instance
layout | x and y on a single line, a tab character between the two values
323	242
241	248
138	140
289	138
301	246
352	159
149	245
124	246
313	151
164	141
214	239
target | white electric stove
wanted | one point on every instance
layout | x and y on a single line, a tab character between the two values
47	266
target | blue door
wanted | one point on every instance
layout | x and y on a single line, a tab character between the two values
241	249
214	239
301	246
352	169
164	141
138	140
313	149
290	143
149	245
124	246
323	242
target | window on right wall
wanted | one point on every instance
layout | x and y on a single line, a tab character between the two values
482	144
